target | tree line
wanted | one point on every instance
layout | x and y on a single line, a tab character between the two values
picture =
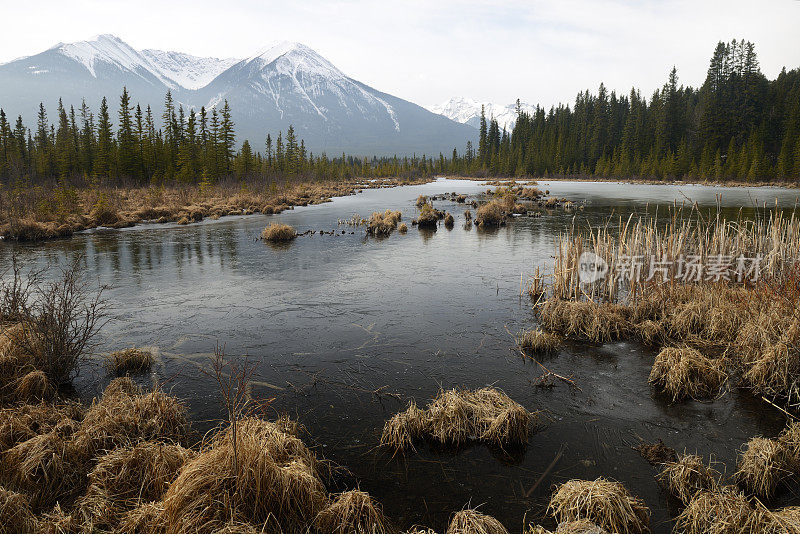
187	146
737	126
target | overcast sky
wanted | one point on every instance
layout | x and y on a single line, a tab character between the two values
430	50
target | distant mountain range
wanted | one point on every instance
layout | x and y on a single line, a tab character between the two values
284	84
468	111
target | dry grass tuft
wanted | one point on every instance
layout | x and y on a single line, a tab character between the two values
144	519
278	233
383	224
762	466
539	342
456	417
352	511
400	431
687	476
15	513
684	372
131	360
139	473
726	511
428	217
266	475
491	214
604	502
403	228
34	385
473	522
782	521
449	221
124	417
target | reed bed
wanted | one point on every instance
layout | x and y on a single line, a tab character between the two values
603	502
470	521
456	417
683	372
278	233
684	234
130	360
688	475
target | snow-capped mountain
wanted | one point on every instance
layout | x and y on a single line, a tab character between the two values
284	84
185	70
468	111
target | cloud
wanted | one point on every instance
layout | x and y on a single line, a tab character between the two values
427	51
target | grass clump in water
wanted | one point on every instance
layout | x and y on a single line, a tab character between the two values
604	502
725	511
762	466
688	475
539	342
429	217
131	360
278	233
683	372
473	522
456	417
383	224
352	511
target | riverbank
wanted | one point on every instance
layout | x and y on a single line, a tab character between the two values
491	180
37	213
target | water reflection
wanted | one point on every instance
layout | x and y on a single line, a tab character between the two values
332	319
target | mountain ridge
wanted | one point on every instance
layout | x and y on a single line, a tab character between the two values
285	83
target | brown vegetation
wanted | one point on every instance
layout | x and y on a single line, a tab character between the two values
762	466
130	360
603	502
455	417
725	511
684	372
473	522
688	475
278	233
48	213
539	342
383	224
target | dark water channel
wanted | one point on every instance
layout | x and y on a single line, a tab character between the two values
345	329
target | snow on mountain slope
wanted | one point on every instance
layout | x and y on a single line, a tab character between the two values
110	50
186	70
468	111
286	84
292	74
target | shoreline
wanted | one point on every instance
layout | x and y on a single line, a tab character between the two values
120	207
638	181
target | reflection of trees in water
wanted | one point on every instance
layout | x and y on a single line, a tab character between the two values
107	255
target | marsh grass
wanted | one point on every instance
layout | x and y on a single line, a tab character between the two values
278	233
130	360
683	372
726	511
353	511
604	502
456	417
383	224
539	342
762	466
688	475
470	521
